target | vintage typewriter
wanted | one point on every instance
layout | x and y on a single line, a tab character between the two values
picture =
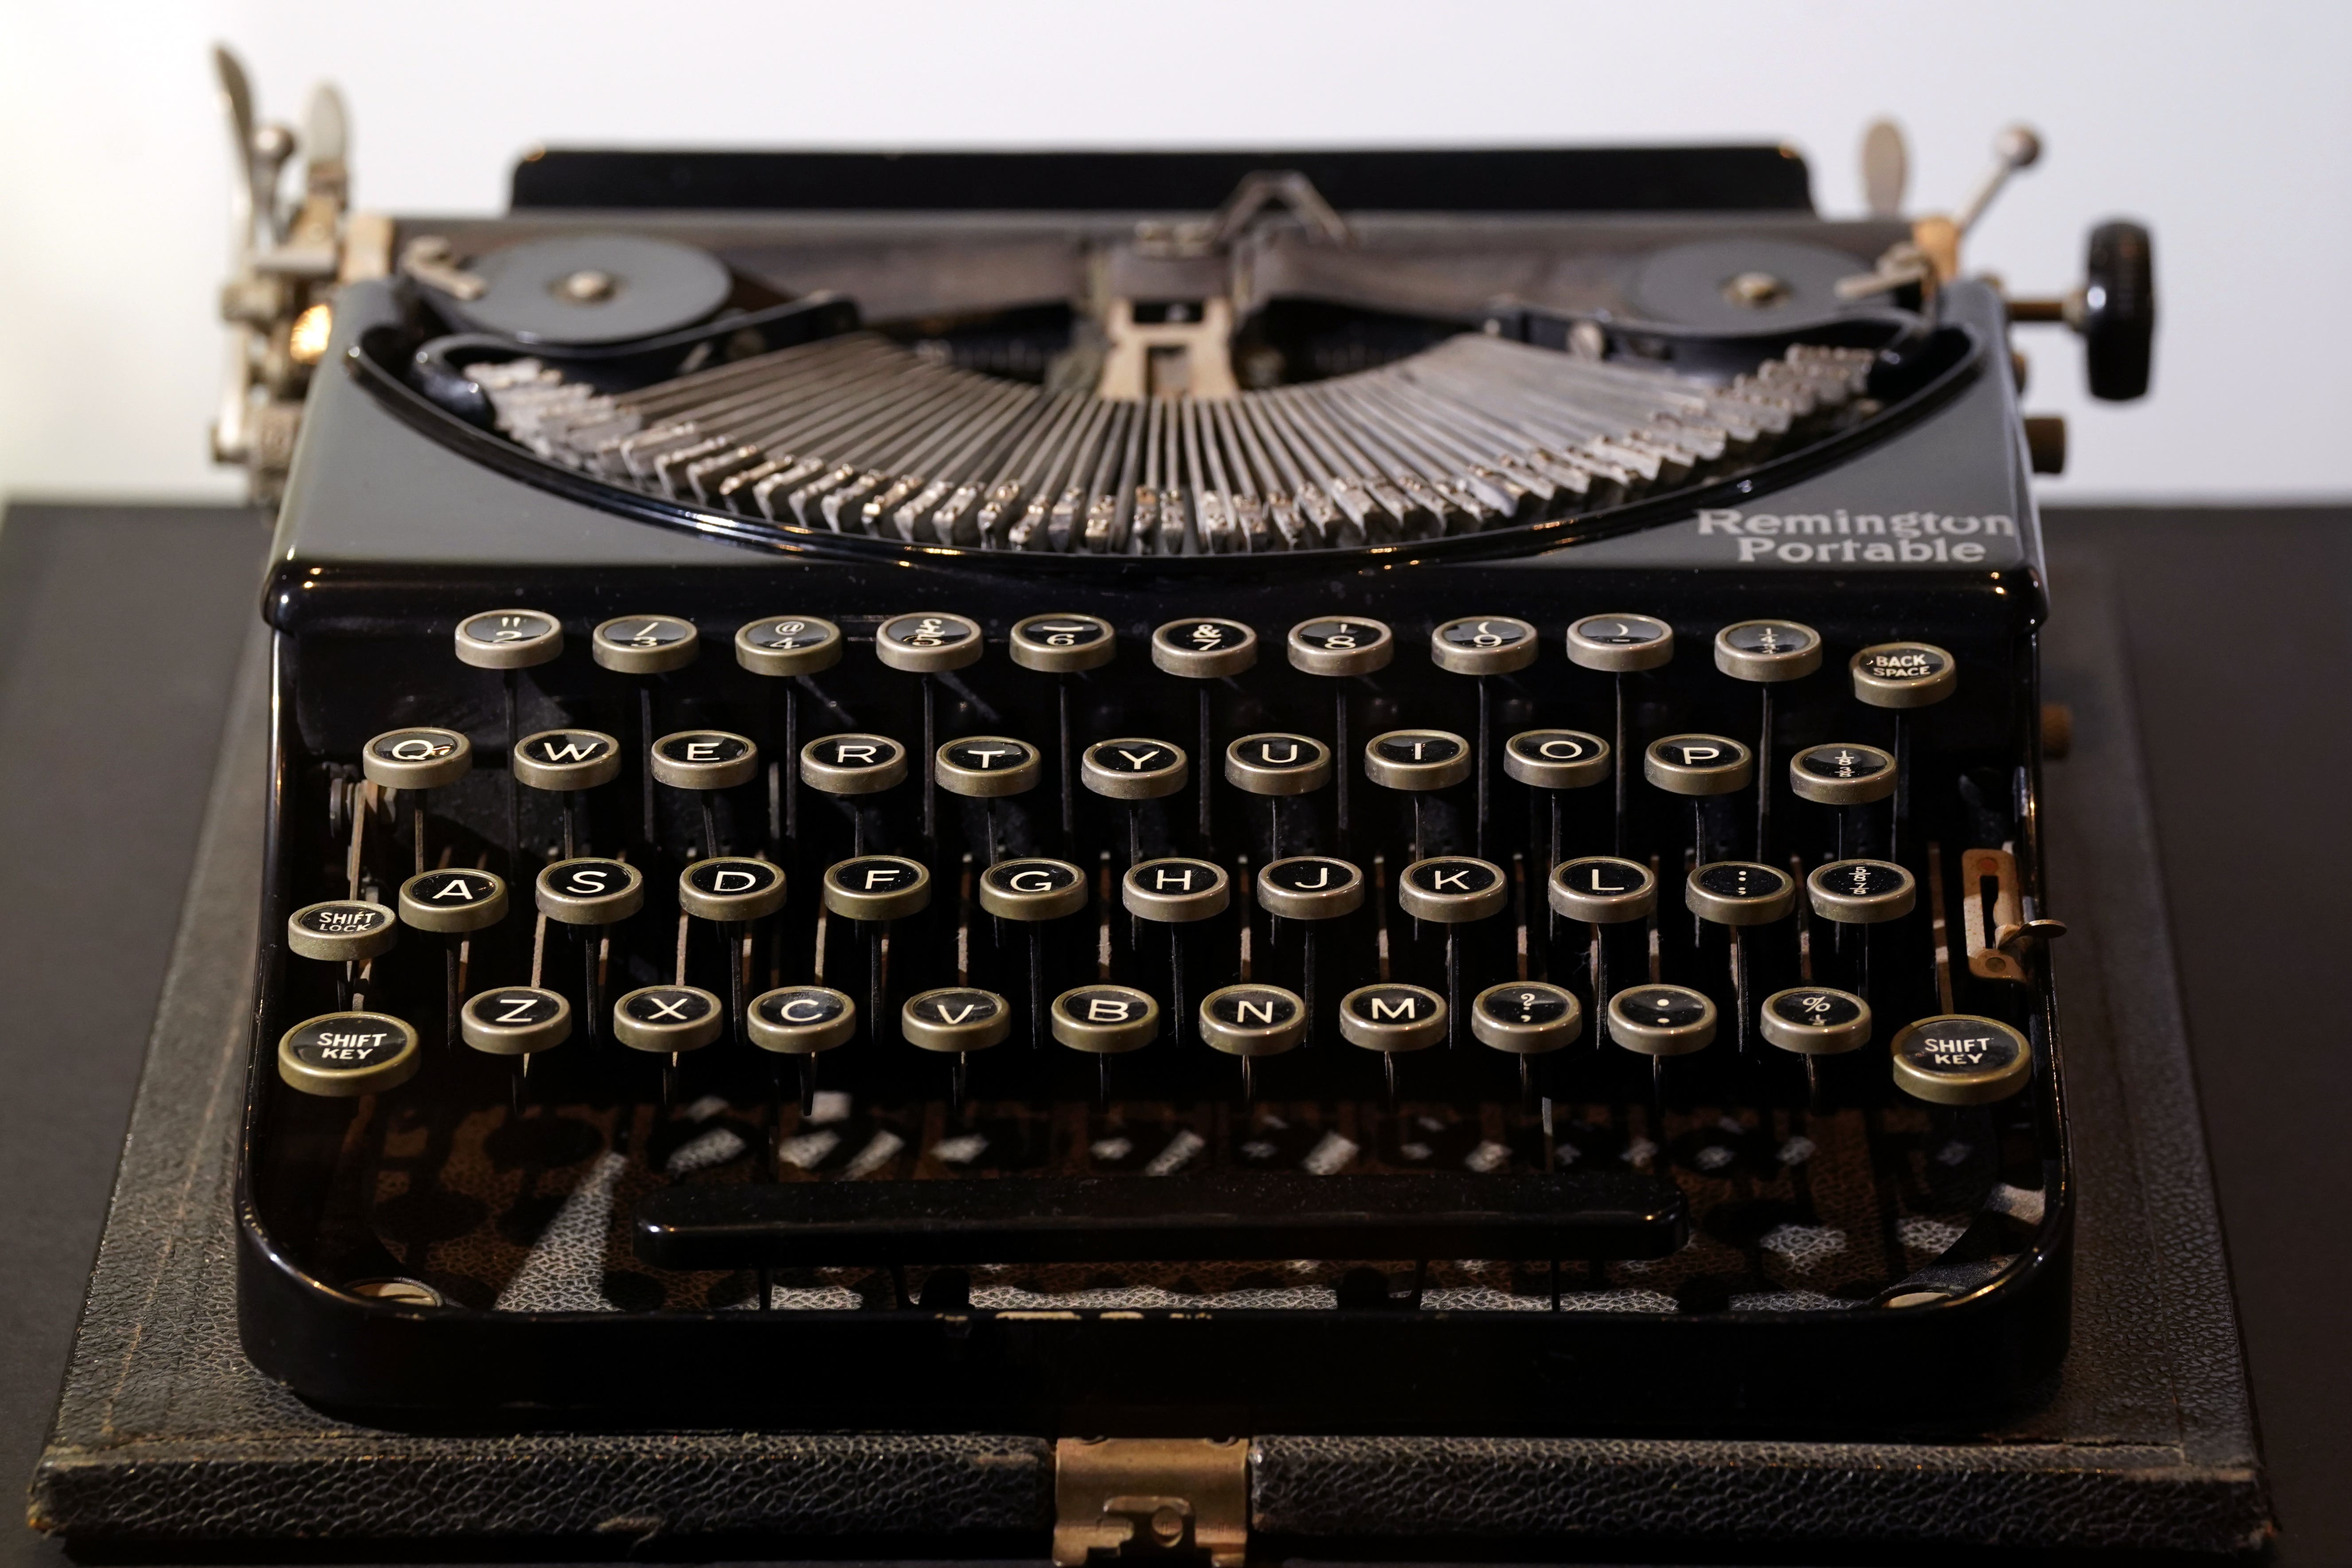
1178	794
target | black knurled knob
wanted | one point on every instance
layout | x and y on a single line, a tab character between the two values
2118	311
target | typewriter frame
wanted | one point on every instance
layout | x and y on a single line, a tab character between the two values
1929	1368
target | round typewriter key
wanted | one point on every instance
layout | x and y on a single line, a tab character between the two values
1621	644
1527	1017
1334	646
1277	764
1310	888
1959	1059
956	1018
1204	649
877	888
1768	650
1033	889
1557	759
1105	1020
802	1020
668	1018
1815	1021
1862	892
1176	891
1841	774
509	639
986	767
398	1291
590	891
1741	893
516	1020
1662	1020
853	764
1417	759
418	758
1482	645
1253	1020
1767	653
339	1054
1903	675
730	888
788	645
1603	890
1062	644
453	900
567	759
1452	890
341	931
644	645
705	759
1134	769
926	645
1392	1018
1698	765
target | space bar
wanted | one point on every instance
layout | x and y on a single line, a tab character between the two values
1129	1219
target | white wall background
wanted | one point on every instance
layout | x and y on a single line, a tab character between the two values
2226	126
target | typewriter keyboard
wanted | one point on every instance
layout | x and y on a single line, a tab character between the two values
656	955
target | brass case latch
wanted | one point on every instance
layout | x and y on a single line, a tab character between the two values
1168	1497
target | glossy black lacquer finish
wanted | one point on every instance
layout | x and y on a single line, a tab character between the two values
1581	179
360	649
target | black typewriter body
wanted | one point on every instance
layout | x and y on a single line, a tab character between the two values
1033	1237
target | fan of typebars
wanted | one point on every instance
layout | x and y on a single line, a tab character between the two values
859	435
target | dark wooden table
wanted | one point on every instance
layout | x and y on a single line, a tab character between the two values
119	628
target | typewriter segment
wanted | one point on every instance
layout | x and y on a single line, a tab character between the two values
1333	859
996	969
